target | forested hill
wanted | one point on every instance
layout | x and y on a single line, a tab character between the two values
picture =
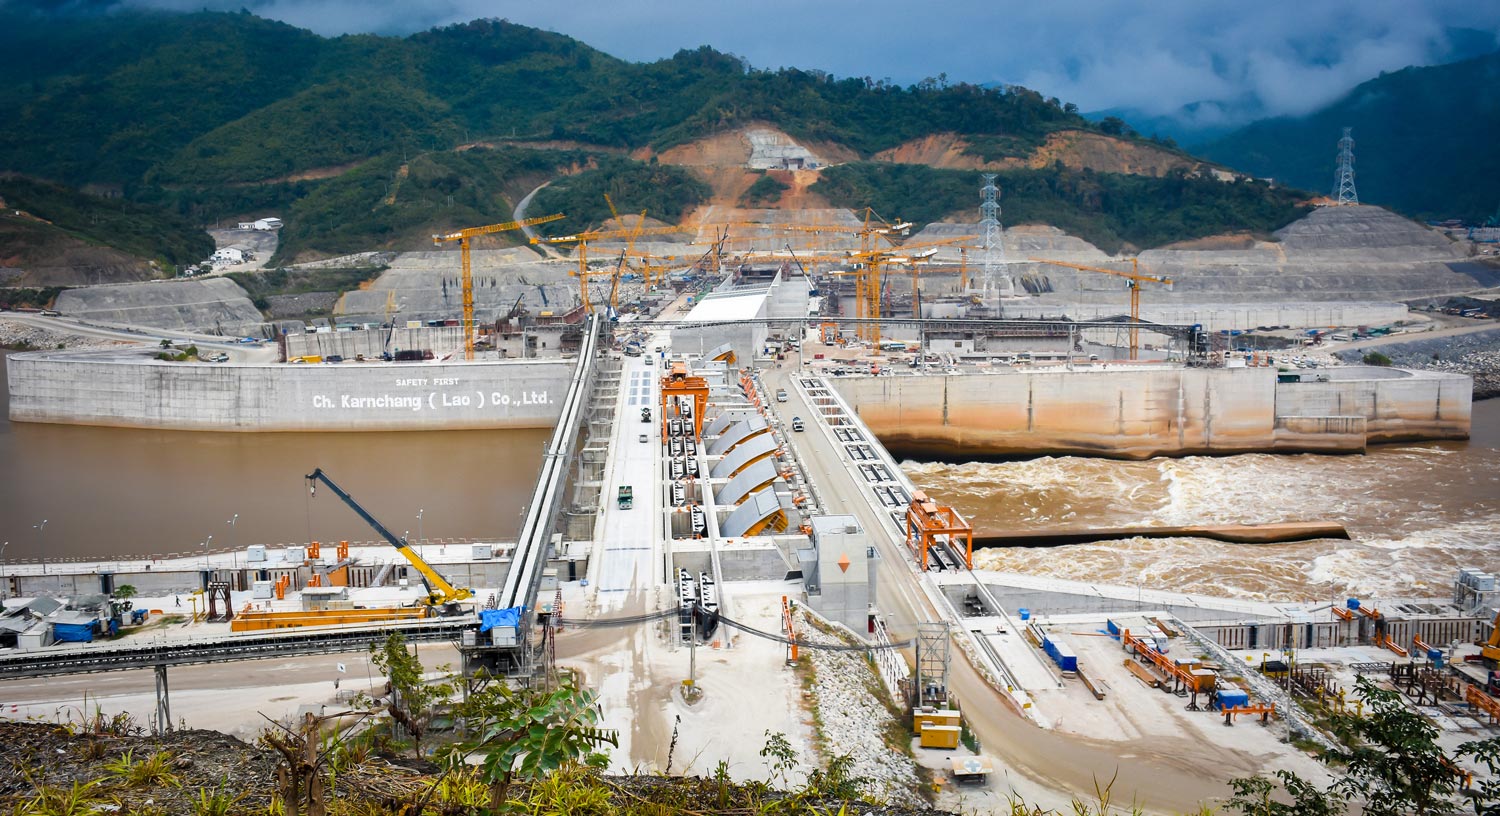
367	142
134	98
1424	141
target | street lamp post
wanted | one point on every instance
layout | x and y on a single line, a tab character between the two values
4	593
231	539
420	540
204	545
41	528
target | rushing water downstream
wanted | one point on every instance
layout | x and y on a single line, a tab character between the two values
1416	513
112	491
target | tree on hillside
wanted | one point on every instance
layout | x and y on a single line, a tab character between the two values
1395	768
413	700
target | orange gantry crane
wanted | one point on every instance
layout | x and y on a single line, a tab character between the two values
463	237
1134	278
582	239
929	523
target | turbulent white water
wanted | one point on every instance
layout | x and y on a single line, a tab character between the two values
1417	513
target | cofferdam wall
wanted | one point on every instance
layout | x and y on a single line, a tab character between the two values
1144	412
135	391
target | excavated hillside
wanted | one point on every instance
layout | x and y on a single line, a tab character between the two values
35	253
1333	255
1074	148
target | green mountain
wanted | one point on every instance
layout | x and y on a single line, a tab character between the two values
1424	141
365	142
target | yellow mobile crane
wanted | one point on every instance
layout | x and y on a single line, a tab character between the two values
462	237
442	597
1135	279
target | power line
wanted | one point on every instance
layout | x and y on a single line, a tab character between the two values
636	620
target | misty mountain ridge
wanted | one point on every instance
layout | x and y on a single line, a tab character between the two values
1424	141
1198	123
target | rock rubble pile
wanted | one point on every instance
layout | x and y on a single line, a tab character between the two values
853	721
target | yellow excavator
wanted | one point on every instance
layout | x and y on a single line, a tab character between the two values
442	598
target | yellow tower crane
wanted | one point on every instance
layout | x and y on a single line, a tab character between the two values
463	237
582	240
1134	280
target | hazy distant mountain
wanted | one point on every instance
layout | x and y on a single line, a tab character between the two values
1425	141
1198	123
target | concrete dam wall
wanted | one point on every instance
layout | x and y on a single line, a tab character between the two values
135	391
1145	412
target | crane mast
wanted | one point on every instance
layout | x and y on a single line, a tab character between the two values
1135	279
463	237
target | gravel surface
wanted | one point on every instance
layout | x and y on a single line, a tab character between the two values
1476	354
26	336
853	721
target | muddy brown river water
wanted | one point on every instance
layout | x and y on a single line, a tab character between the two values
112	491
1416	513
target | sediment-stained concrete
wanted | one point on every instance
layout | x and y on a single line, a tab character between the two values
1146	411
135	391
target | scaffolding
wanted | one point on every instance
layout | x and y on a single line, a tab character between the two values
932	665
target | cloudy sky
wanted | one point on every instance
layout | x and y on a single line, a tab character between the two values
1260	57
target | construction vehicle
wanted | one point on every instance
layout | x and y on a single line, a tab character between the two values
626	497
1135	279
463	237
442	597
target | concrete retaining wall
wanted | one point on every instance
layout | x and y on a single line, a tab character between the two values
137	392
1144	412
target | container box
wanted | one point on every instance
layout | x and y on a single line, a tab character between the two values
940	736
261	590
1231	697
1061	654
295	555
922	719
482	552
255	553
503	636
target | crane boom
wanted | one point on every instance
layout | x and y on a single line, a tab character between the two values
462	237
440	593
1136	279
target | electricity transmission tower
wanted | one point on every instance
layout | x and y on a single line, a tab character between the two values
1343	186
994	248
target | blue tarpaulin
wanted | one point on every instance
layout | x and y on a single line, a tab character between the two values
73	632
490	618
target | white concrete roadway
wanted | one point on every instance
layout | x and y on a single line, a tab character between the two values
627	558
1046	768
239	352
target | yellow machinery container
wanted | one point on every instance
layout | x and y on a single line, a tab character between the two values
940	736
257	621
942	716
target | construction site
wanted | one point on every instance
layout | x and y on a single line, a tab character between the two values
722	501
